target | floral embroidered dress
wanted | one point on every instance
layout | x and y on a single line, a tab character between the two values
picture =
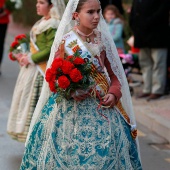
72	135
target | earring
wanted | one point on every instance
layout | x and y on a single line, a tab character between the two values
78	22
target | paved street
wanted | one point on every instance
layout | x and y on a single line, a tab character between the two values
10	151
155	151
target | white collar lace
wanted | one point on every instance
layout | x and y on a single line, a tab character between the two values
43	25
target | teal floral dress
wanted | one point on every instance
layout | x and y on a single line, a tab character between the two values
81	140
73	135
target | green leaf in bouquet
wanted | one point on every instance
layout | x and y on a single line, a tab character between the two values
13	5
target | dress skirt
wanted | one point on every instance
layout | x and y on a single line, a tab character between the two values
76	136
25	98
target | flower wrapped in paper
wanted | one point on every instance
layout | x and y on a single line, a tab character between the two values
19	46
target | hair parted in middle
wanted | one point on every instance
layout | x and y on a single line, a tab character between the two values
81	3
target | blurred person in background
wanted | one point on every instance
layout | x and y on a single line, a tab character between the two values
115	24
30	79
149	23
4	20
117	3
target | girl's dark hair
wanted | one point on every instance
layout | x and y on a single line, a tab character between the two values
49	1
80	4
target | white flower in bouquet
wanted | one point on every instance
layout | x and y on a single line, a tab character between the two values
13	5
18	4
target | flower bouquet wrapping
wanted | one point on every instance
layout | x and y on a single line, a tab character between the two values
19	45
13	5
66	75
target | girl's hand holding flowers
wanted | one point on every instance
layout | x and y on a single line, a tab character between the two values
18	56
18	48
23	61
109	100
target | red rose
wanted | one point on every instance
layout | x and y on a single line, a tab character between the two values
20	37
11	57
54	70
52	86
70	57
63	82
57	63
75	75
78	61
67	67
49	76
14	44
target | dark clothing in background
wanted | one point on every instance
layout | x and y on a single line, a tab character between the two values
149	20
3	29
149	23
4	20
117	3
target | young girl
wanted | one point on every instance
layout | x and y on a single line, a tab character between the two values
115	24
75	133
30	78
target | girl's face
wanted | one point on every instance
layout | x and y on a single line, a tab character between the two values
43	7
89	15
109	15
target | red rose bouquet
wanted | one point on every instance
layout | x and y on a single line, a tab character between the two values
19	45
67	75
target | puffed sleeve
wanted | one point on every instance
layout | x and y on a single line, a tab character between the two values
43	54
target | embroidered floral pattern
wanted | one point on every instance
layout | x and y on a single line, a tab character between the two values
80	139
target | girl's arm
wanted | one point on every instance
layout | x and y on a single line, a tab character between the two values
43	55
114	92
115	87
